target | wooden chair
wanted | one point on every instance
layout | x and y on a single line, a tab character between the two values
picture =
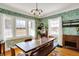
42	51
13	53
28	39
2	48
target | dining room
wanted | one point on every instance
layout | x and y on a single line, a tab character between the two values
39	29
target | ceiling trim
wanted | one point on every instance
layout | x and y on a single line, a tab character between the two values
59	14
9	12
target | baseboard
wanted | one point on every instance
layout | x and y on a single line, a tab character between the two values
59	46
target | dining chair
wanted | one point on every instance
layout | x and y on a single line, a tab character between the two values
2	48
42	51
13	53
28	39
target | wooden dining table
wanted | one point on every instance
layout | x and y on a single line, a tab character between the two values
31	45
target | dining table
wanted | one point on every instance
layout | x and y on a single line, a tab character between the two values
33	44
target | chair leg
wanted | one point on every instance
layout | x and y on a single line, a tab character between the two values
12	52
4	49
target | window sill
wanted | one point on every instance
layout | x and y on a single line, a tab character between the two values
18	37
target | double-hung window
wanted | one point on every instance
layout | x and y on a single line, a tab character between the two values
20	27
31	28
55	29
8	27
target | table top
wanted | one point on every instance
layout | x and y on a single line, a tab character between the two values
30	45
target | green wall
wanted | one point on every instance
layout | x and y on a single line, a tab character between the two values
70	31
37	21
45	21
71	15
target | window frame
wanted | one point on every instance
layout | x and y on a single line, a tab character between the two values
9	18
24	19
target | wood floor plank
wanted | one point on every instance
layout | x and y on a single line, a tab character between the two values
65	52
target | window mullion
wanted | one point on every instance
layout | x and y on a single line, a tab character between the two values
14	27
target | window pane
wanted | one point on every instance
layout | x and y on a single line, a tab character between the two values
31	25
20	27
55	29
8	28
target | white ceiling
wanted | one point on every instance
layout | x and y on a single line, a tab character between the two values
48	8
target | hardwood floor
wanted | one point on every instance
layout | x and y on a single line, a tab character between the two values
57	52
8	53
64	52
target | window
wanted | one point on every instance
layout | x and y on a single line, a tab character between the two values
31	28
20	27
8	28
55	29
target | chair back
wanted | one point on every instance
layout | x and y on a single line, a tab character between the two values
43	51
37	50
28	39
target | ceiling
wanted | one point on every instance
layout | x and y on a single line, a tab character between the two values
48	8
